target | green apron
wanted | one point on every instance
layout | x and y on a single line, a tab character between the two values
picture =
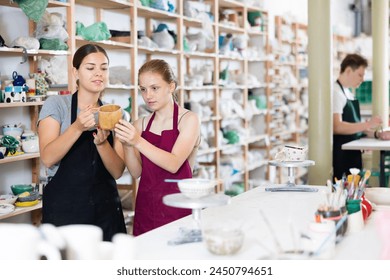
343	160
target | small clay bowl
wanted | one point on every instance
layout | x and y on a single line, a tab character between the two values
109	116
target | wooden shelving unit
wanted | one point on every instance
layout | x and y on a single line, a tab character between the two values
184	63
32	57
290	94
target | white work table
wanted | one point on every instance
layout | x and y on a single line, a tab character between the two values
374	145
287	212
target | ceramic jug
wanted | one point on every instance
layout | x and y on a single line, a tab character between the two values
18	79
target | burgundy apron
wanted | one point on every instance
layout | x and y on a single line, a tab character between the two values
150	212
82	191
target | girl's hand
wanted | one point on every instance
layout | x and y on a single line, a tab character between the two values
126	133
86	119
100	137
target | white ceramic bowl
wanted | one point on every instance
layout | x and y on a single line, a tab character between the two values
196	188
380	196
12	131
8	199
30	146
223	241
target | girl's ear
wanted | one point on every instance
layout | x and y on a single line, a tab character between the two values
172	87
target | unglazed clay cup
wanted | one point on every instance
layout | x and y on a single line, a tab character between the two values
109	116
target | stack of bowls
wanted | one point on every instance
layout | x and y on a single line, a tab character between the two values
21	188
27	194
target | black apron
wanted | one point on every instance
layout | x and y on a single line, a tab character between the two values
343	160
82	191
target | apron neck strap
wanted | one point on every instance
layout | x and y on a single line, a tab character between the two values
341	86
74	106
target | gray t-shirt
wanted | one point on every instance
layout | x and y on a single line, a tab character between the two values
59	108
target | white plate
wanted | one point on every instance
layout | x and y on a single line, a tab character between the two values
379	195
6	208
380	207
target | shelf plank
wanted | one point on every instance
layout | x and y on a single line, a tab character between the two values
257	138
106	4
230	87
107	44
21	210
192	22
236	57
21	104
147	12
5	51
227	147
51	4
211	119
230	4
198	88
19	157
207	151
157	50
223	28
121	87
199	55
253	32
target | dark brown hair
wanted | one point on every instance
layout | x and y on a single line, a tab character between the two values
354	61
161	67
85	50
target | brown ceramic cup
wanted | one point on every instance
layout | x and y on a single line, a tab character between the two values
109	116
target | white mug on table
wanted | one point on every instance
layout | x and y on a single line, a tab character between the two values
24	242
82	241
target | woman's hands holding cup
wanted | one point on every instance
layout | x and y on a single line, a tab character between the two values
86	118
127	133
